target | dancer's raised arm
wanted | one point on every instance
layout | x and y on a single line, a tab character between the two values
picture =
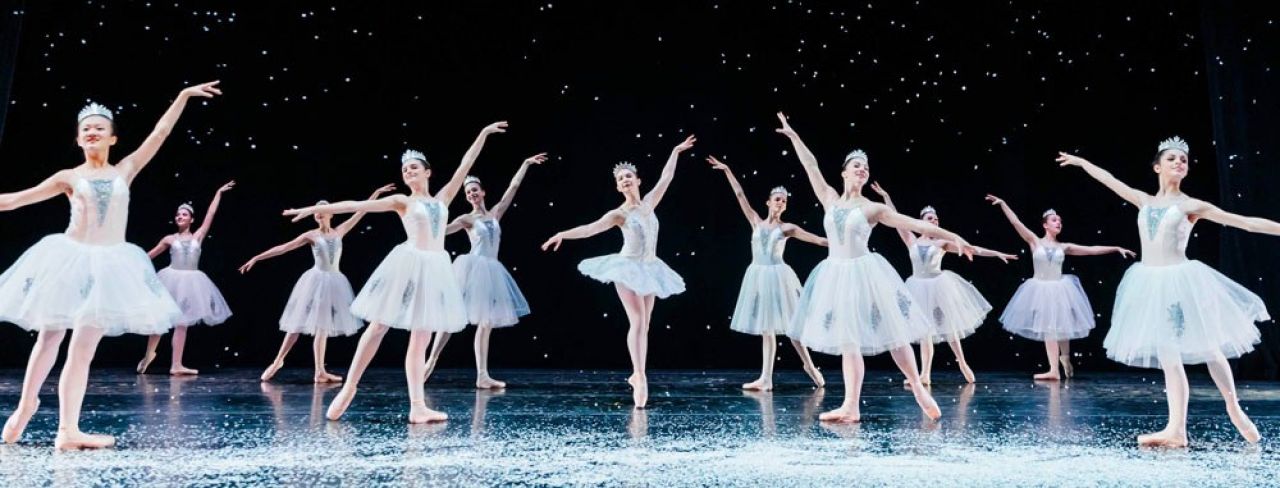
297	242
752	217
510	195
881	213
907	237
1208	211
668	172
1128	193
51	187
824	191
451	188
1023	232
350	223
1079	250
393	203
213	210
132	164
611	219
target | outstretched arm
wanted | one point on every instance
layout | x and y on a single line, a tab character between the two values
51	187
609	220
887	216
451	188
393	203
1023	232
161	247
1208	211
980	252
752	217
1078	250
905	235
297	242
668	172
350	223
510	194
793	230
1128	193
462	222
213	210
824	191
134	162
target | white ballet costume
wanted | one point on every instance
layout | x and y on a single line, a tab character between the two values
637	266
954	306
195	293
414	288
88	276
321	300
1168	305
770	288
1050	306
490	293
854	301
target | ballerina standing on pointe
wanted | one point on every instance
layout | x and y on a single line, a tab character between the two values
770	288
414	288
1051	306
1171	311
87	279
490	293
956	308
636	272
195	293
320	304
854	303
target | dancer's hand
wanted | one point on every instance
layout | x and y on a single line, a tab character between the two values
495	128
204	90
383	189
1126	253
686	145
995	200
1006	257
875	185
230	184
553	243
536	159
717	164
967	250
298	213
1065	159
786	127
248	266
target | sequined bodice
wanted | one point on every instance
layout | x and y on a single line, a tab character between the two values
327	251
424	223
1046	261
640	233
767	245
847	232
926	258
184	253
1164	232
486	235
99	210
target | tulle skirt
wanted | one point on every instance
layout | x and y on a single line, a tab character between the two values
1049	310
767	300
320	302
415	290
61	284
196	295
489	292
1187	311
953	305
858	304
643	276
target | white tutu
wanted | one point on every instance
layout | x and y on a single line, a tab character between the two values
413	289
953	305
320	302
643	276
1049	310
490	294
196	295
61	284
860	303
1187	309
767	300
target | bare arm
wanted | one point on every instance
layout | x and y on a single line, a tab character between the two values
887	216
824	191
462	222
611	219
393	203
1078	250
451	188
1208	211
161	247
1023	232
792	230
753	218
297	242
132	164
907	237
508	196
213	210
668	172
980	252
51	187
350	223
1128	193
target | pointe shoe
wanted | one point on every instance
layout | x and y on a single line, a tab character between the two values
145	362
487	383
340	403
841	415
640	390
1047	376
1246	427
927	404
968	373
758	385
1067	369
271	371
428	368
17	422
816	376
74	441
182	371
1164	438
420	414
924	380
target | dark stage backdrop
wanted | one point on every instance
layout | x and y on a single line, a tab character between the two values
951	100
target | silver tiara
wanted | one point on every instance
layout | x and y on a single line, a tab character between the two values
322	202
928	209
93	109
857	154
1047	213
469	180
1174	142
779	189
190	209
624	166
410	155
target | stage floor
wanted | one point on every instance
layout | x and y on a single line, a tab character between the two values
577	428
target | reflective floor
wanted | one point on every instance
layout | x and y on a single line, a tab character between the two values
577	428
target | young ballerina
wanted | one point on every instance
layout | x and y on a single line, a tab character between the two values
195	293
635	271
854	303
770	288
414	288
87	279
1172	311
955	307
1051	306
320	304
491	295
